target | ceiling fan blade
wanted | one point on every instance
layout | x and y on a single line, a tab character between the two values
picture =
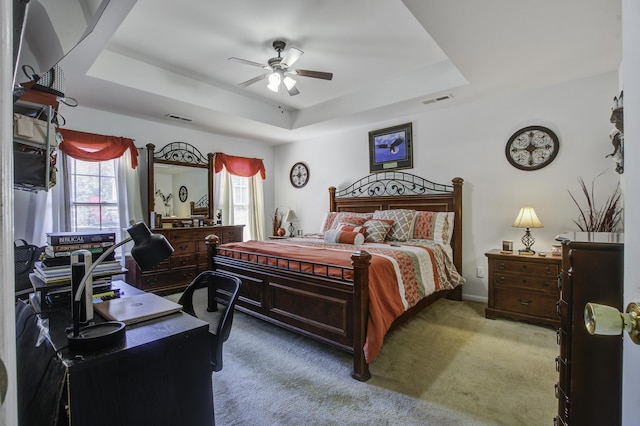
313	74
253	80
293	91
244	61
291	56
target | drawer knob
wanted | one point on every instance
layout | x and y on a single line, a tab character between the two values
501	279
546	284
547	270
524	302
501	266
559	308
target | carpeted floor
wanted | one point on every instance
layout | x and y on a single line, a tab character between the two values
447	366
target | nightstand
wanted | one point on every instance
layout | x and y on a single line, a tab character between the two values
524	287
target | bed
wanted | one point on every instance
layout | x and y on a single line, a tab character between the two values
335	292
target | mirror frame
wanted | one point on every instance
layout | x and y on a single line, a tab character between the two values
177	154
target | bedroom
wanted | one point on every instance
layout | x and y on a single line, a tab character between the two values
472	133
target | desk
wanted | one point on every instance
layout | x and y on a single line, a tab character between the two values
161	376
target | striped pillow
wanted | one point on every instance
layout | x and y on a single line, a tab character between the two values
339	236
436	226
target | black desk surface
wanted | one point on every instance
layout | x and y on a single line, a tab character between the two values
161	374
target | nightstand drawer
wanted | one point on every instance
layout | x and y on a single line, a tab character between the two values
523	267
537	304
529	282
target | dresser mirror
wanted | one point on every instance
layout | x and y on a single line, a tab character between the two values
180	184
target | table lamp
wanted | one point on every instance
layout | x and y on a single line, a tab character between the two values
148	250
291	217
527	219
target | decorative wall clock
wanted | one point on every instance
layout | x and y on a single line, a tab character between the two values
183	193
299	175
532	148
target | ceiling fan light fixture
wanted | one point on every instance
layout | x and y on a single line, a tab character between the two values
274	82
289	82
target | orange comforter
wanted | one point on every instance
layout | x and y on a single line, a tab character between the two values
399	276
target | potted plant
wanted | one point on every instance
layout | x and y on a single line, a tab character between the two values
607	218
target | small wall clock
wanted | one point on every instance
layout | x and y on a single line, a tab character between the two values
532	148
299	175
183	193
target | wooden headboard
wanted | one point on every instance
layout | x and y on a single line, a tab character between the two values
399	190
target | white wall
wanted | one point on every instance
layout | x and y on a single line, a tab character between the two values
469	141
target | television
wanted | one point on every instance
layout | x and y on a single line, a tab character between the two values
45	31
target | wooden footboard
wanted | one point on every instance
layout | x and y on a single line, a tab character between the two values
325	308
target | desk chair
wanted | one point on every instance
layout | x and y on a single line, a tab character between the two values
221	299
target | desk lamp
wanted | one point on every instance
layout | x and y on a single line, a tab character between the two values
148	250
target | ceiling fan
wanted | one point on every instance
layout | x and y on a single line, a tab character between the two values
280	68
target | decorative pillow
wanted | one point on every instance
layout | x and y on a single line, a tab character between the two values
331	219
352	220
343	237
403	221
350	228
376	230
436	226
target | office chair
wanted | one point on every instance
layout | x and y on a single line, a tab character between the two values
221	299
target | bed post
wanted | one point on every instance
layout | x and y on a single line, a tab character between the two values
360	261
332	199
456	294
211	241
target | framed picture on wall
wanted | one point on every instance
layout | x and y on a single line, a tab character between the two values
391	148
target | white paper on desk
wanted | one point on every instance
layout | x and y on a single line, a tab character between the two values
134	309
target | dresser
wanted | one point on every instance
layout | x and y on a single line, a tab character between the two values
187	261
523	287
589	389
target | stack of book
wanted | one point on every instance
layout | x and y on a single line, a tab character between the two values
60	246
51	277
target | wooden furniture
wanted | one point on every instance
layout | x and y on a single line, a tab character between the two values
332	310
172	158
589	389
187	261
161	376
523	287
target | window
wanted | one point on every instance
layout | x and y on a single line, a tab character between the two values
93	196
240	200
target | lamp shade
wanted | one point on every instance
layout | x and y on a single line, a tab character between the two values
291	216
527	218
148	249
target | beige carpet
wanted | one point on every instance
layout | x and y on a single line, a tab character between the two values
447	366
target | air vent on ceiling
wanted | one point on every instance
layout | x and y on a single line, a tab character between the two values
438	99
177	117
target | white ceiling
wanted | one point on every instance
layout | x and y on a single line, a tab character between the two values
150	58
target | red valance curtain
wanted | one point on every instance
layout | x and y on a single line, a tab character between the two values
239	166
93	147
